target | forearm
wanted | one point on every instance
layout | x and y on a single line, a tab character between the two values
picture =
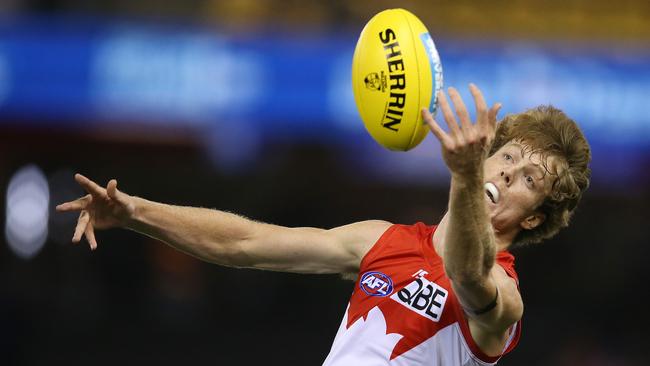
210	235
470	247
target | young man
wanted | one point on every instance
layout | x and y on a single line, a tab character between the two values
424	295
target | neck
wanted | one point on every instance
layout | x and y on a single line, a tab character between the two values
503	240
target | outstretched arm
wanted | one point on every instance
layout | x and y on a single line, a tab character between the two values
224	238
469	248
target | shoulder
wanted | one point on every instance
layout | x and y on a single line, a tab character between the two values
359	237
362	234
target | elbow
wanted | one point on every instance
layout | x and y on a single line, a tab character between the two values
231	254
246	251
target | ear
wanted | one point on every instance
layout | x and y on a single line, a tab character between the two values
533	221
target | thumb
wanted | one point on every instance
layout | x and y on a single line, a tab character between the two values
114	194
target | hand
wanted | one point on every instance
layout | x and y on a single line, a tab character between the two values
465	147
101	208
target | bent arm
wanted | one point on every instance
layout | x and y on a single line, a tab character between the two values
232	240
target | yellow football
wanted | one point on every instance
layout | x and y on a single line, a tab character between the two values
396	71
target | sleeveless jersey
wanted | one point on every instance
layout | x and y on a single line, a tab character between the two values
403	310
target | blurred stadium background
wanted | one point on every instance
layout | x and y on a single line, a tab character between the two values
246	106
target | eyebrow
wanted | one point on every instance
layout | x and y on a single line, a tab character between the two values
537	167
520	146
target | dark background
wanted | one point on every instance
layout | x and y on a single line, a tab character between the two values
135	300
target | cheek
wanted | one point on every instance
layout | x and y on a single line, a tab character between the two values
489	164
522	202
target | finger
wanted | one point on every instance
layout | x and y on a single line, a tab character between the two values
492	116
90	186
435	128
461	112
454	130
481	106
84	218
90	236
76	205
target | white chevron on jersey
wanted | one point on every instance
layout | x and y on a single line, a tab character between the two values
446	348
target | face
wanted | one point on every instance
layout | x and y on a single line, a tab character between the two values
516	184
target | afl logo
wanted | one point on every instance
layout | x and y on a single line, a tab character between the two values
376	82
376	284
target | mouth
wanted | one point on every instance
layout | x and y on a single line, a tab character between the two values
492	192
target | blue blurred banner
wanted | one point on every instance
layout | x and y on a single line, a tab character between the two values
79	71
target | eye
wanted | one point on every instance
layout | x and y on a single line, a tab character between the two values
507	156
530	181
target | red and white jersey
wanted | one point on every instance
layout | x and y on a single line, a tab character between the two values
403	310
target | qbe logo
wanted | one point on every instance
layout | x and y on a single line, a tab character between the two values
376	284
424	297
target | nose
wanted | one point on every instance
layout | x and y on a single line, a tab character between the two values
506	177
